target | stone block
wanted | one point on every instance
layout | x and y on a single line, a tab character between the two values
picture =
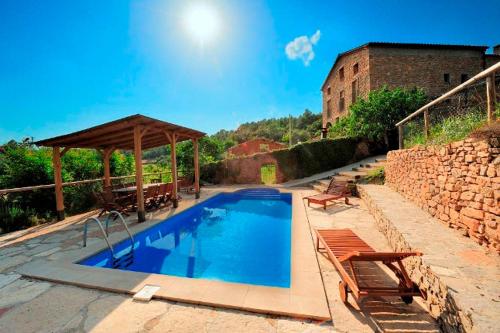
474	213
472	224
490	171
467	196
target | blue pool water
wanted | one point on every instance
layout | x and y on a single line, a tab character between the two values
236	237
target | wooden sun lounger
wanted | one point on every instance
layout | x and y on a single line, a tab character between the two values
344	248
336	190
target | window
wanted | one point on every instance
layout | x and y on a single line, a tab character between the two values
329	90
341	73
355	68
354	89
464	77
328	108
341	101
446	78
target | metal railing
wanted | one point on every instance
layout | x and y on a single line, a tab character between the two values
116	262
489	74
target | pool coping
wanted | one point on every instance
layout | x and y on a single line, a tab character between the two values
305	298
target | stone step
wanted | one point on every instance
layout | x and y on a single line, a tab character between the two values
319	187
324	182
458	276
322	185
363	169
374	165
381	160
352	174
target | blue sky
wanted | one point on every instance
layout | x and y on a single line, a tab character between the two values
66	65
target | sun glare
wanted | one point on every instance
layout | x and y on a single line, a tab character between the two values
202	22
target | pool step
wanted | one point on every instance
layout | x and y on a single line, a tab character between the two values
124	261
261	193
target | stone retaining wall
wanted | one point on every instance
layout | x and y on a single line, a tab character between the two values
439	301
458	183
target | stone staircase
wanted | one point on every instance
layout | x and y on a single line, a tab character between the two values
353	175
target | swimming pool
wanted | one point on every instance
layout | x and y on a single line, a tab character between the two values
242	237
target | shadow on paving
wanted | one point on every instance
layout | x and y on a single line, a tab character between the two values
388	314
375	313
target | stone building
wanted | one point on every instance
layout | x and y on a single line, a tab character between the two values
434	67
254	146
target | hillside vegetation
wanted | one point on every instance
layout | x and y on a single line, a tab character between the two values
304	128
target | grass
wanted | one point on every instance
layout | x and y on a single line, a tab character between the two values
376	176
451	129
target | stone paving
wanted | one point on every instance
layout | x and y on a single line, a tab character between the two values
461	278
387	314
36	306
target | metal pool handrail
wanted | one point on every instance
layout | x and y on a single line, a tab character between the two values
118	214
85	227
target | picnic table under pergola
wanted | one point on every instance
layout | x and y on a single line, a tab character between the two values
133	133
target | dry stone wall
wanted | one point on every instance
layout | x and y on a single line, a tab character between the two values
458	183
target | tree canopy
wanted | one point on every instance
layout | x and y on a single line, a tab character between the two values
304	127
377	115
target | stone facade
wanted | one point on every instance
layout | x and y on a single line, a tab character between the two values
458	183
255	146
355	69
435	68
423	68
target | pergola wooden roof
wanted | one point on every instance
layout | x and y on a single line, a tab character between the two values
120	134
135	133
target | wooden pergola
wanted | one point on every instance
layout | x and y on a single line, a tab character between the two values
135	133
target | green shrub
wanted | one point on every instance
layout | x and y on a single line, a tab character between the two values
304	159
13	217
23	164
375	117
375	176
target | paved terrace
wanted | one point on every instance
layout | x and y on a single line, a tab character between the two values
462	278
28	305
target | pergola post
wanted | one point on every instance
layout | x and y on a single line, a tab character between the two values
107	173
196	170
173	157
141	213
491	97
56	161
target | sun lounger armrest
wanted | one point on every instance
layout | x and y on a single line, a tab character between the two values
378	256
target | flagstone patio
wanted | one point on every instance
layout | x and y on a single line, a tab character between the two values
28	305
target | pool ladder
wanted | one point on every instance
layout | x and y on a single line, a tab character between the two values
118	262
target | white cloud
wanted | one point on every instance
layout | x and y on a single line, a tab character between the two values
302	48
